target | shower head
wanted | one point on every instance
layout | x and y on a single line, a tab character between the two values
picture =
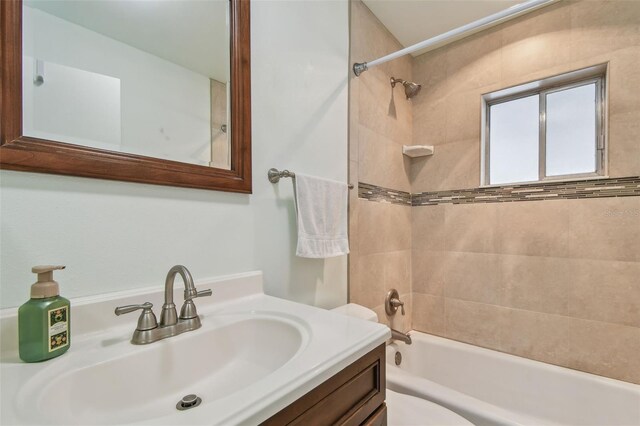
410	89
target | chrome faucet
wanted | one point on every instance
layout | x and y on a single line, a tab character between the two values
148	330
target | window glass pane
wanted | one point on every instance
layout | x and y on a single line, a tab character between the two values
513	140
571	131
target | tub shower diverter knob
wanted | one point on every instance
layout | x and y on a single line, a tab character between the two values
392	302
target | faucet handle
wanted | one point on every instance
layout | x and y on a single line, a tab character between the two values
147	319
397	302
188	310
120	310
201	293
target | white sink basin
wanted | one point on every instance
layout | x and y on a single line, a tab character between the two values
211	363
253	356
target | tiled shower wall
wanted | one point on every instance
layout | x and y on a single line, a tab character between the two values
380	123
554	280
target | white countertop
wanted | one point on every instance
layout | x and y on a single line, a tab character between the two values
328	343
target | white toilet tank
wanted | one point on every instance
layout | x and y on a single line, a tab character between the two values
357	311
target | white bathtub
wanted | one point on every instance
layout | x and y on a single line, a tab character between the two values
493	388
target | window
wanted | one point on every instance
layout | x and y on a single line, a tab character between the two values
551	129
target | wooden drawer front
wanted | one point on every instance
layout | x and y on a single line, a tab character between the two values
350	397
379	418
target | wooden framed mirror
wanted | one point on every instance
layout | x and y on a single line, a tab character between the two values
96	107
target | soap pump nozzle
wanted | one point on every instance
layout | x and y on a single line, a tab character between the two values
46	286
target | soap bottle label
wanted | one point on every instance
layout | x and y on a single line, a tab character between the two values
58	328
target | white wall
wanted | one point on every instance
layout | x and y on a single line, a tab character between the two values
116	235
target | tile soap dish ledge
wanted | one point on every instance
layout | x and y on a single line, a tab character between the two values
414	151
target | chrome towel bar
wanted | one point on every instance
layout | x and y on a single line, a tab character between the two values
275	175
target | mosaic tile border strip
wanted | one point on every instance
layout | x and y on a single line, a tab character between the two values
569	190
594	188
383	195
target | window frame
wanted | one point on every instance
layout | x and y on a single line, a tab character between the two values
542	88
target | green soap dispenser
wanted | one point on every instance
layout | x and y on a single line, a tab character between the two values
44	322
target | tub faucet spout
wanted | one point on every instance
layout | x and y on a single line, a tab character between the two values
396	335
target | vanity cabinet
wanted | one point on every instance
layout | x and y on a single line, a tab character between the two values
354	396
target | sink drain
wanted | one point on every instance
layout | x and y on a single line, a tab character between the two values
398	358
188	401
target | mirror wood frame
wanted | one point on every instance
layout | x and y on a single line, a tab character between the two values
24	153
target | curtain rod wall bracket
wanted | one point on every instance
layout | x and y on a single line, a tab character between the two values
359	68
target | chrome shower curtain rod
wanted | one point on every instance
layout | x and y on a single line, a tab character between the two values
456	33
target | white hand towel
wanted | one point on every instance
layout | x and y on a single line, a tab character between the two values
321	206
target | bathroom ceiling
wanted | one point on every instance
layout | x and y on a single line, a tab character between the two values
192	34
412	21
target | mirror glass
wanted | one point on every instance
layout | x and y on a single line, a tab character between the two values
146	77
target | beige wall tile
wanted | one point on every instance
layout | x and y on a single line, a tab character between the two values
463	116
382	110
606	229
429	120
381	161
475	61
624	111
355	286
475	323
428	228
353	193
429	107
472	227
354	117
377	274
624	79
606	291
538	336
536	41
369	291
428	268
397	227
536	228
371	218
430	70
624	139
383	227
607	349
382	316
535	283
600	27
475	277
452	166
397	271
428	313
